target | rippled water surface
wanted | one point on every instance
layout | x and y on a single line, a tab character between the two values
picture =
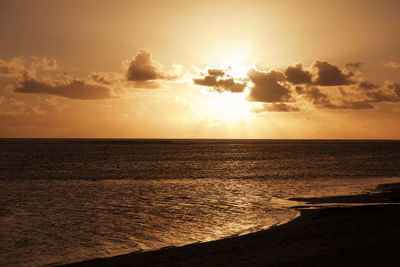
69	200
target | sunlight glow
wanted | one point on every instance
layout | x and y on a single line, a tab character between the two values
237	71
224	106
234	54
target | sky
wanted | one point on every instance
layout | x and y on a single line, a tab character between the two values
312	69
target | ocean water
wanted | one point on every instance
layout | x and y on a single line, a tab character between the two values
65	200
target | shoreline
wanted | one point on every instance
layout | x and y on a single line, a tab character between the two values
366	233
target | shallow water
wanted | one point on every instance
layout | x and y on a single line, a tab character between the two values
69	200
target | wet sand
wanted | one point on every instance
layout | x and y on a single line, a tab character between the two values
330	236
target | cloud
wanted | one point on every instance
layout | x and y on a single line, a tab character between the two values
346	90
216	72
331	75
220	81
229	84
323	100
315	96
361	96
143	68
326	86
105	78
356	105
297	75
17	66
144	72
34	78
208	80
367	85
280	107
8	101
74	89
44	63
391	64
268	87
389	93
13	67
324	74
354	65
395	87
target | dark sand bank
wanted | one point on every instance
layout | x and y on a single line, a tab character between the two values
384	193
362	235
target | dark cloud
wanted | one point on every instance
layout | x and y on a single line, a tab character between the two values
100	78
229	84
105	78
297	75
323	100
354	65
351	91
216	72
209	80
389	93
75	89
299	89
380	96
326	86
143	68
331	75
324	74
355	105
280	107
367	85
315	96
395	87
220	81
144	72
268	87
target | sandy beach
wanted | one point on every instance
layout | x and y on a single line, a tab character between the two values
339	234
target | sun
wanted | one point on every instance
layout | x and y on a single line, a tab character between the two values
235	63
227	106
223	105
233	53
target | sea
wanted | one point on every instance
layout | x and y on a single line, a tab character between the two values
68	200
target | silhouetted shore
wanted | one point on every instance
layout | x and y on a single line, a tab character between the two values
339	235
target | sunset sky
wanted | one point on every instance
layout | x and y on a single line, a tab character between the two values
200	69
